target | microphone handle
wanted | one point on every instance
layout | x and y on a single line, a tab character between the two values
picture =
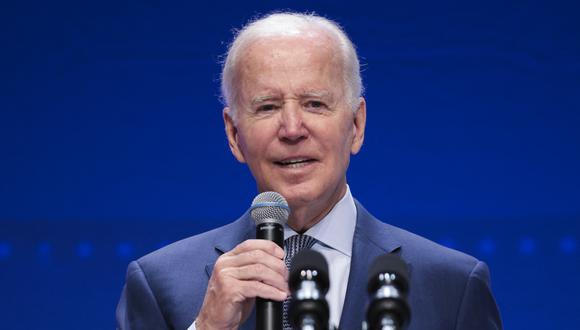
269	312
271	231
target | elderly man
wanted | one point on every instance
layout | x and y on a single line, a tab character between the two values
295	114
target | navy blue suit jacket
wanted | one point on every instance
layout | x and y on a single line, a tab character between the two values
449	290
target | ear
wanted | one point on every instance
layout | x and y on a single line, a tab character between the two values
360	120
232	135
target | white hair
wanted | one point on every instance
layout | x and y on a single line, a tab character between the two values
289	25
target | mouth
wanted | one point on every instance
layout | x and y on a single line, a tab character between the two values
295	162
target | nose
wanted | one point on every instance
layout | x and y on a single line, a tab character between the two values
292	128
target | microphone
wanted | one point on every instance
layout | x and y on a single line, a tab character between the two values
308	284
388	287
270	212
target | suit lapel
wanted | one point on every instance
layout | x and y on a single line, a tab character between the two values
371	239
240	230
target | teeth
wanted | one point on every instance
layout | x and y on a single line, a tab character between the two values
296	165
294	161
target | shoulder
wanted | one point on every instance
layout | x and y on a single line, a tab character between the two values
422	253
197	249
432	255
191	256
435	272
174	278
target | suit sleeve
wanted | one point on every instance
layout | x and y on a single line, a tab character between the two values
138	307
478	310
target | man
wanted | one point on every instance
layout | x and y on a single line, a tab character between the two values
295	114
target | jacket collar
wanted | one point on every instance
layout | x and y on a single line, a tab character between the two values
372	238
232	234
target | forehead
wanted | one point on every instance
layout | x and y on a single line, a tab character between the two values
278	62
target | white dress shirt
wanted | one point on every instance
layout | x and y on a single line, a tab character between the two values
334	235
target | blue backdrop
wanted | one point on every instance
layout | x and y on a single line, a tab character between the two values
112	143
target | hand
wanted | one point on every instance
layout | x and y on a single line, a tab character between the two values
254	268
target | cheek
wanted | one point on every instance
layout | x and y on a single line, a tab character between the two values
338	144
248	148
254	143
345	137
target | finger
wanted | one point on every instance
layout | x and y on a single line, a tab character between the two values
256	257
254	289
258	244
258	272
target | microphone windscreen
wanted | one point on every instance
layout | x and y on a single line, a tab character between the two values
389	263
309	260
270	206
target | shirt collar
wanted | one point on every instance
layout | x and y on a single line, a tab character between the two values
336	229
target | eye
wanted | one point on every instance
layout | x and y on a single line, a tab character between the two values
267	107
315	104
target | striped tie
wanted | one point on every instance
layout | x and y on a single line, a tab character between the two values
293	245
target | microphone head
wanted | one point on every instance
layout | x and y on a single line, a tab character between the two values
270	206
309	265
392	265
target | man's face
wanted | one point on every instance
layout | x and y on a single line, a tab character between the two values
294	126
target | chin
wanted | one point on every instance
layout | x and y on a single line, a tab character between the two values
300	195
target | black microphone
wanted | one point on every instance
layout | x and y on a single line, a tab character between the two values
270	212
388	287
308	284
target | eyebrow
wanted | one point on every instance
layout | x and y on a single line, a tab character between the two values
261	99
319	94
307	94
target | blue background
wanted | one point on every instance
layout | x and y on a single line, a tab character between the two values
112	142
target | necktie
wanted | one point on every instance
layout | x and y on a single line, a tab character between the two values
293	245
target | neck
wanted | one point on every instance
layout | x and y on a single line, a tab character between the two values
305	216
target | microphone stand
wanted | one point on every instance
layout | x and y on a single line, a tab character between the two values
387	323
308	323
